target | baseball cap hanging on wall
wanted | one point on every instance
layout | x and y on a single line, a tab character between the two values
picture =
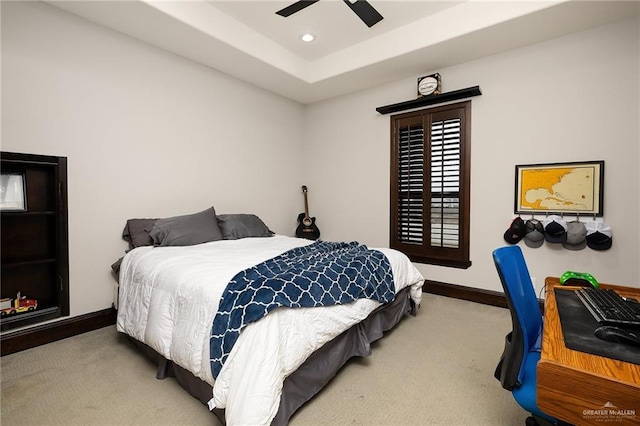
516	231
599	235
576	236
534	236
555	229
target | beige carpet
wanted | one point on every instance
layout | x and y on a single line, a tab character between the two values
433	369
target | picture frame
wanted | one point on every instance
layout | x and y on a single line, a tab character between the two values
12	192
560	188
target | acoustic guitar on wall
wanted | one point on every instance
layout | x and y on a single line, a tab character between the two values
307	225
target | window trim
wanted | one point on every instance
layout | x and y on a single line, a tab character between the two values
425	253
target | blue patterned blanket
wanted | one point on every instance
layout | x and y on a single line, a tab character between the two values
320	274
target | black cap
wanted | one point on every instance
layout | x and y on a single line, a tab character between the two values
599	235
555	229
516	231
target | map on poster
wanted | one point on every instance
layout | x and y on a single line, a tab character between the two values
559	189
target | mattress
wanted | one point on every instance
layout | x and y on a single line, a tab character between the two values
168	298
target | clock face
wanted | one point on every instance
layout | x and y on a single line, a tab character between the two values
427	85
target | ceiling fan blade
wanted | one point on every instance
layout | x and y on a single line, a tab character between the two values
295	7
365	11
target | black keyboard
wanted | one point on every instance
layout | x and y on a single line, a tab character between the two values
608	307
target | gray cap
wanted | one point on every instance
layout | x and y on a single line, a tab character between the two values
576	236
534	237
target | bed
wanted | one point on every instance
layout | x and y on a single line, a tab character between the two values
177	274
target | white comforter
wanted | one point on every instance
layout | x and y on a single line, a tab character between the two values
168	298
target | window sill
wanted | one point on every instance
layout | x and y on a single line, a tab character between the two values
460	264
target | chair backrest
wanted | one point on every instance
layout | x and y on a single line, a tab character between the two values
525	313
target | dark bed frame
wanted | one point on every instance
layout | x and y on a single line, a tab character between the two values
315	372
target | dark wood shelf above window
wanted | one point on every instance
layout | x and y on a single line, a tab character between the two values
431	100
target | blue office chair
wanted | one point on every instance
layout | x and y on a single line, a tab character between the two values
516	370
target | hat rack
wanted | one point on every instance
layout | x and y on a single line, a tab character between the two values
554	229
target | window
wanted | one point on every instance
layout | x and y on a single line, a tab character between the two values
430	163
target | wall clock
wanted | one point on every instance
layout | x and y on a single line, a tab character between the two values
429	85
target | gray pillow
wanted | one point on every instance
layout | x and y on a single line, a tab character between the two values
236	226
136	232
186	230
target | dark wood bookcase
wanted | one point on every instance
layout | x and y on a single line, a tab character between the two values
34	247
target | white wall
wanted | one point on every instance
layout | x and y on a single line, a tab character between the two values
574	98
146	133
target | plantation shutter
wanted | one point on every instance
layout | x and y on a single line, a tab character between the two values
445	183
410	207
430	185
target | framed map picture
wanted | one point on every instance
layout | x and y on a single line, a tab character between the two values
558	188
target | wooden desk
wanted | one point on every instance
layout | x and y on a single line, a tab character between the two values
578	387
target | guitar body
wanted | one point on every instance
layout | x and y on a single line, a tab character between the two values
307	228
307	225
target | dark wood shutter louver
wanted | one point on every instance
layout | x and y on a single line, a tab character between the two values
410	184
445	183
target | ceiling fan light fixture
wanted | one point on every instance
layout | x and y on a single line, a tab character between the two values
367	13
307	37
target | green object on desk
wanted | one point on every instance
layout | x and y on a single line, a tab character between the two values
578	278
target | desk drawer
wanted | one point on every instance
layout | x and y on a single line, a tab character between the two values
582	398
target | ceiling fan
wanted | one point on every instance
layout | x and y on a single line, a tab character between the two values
362	8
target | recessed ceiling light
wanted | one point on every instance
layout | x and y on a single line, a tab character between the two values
307	37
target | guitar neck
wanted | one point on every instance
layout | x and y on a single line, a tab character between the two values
306	207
